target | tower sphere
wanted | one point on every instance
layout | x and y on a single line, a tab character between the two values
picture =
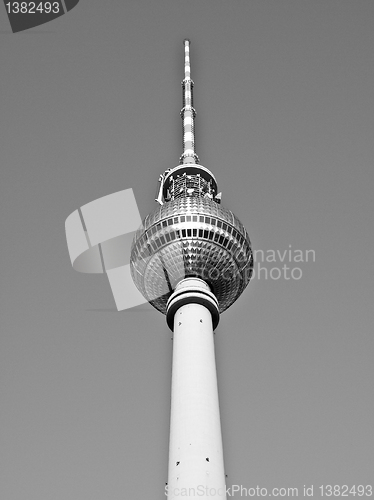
190	235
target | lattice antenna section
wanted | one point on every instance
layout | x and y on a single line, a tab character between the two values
188	112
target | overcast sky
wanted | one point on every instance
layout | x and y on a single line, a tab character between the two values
285	120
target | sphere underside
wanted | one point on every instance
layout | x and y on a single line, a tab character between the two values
191	237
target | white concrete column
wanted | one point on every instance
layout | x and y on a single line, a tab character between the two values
196	469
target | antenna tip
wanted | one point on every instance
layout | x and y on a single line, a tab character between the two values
186	41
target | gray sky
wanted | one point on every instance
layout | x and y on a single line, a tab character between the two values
89	106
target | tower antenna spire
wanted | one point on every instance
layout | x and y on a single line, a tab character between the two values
188	112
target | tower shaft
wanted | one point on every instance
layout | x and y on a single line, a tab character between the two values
195	451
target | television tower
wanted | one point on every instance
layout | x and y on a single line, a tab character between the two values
191	259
